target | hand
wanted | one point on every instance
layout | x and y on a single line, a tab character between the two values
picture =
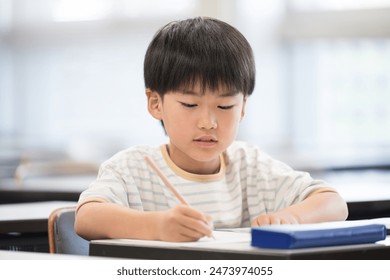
276	218
183	223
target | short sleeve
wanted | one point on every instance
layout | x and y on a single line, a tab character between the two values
108	186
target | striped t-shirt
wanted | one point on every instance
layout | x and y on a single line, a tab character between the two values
249	183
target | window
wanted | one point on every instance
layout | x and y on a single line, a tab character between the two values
71	74
321	5
342	96
338	56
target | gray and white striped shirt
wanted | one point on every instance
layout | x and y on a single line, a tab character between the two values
248	184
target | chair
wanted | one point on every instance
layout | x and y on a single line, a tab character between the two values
62	237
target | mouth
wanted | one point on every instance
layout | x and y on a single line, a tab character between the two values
206	139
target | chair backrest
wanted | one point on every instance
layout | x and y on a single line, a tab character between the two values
62	237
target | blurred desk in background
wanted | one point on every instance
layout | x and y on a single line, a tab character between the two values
367	191
47	180
65	188
13	155
24	226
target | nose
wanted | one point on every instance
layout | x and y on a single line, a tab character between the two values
207	120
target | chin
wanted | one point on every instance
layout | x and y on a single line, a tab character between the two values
206	156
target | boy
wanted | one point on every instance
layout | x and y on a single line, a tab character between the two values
199	74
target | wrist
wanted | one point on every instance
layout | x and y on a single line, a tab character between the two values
154	224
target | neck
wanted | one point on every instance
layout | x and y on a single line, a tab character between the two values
193	166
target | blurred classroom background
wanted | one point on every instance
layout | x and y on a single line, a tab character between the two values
72	90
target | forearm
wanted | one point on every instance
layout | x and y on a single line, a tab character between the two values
319	207
98	220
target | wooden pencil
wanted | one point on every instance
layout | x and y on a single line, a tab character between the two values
165	180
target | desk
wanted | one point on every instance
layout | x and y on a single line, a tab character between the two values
237	251
64	188
13	255
368	209
367	192
24	226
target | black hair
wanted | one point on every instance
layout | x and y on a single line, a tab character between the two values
201	49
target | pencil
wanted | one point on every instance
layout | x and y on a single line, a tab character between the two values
168	183
165	180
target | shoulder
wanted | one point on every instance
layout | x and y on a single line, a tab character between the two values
241	146
133	156
240	150
252	156
137	151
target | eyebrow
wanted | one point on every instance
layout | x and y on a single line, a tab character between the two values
225	94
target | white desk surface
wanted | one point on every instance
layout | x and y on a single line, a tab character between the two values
239	241
31	210
19	255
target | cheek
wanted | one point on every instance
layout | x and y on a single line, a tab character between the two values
177	125
232	119
231	124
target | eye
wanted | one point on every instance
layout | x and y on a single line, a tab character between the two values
188	105
226	107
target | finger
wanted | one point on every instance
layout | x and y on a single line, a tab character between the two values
191	234
192	220
199	226
262	220
256	222
275	220
209	221
178	230
183	233
197	220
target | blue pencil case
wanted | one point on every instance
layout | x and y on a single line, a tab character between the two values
300	236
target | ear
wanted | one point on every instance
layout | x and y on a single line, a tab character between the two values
243	108
154	104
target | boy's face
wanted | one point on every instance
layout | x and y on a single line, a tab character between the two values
200	125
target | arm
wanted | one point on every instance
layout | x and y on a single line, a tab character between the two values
97	220
320	206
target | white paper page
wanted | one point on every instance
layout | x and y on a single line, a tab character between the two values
220	238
